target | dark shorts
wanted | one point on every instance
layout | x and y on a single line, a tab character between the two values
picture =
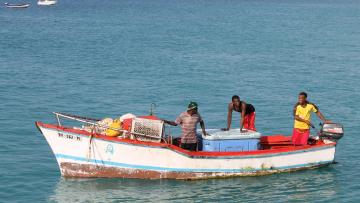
189	146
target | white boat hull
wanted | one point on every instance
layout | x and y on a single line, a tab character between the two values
46	3
17	6
76	157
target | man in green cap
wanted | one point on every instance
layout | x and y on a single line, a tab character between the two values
188	121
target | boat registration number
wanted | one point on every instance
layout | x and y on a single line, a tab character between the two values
70	137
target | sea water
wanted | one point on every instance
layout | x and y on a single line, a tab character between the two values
107	58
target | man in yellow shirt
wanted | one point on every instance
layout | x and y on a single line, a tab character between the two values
302	115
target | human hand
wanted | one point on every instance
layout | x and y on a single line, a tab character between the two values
309	124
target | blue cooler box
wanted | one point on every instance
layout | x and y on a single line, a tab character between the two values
230	141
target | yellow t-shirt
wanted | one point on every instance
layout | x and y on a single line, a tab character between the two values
304	113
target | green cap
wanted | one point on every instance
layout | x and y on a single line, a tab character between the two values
192	105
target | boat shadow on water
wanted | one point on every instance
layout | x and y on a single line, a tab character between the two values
278	187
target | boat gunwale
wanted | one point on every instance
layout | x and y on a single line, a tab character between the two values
193	154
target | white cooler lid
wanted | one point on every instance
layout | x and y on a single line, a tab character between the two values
232	134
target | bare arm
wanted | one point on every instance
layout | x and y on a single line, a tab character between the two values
303	120
202	125
243	106
321	116
170	122
229	117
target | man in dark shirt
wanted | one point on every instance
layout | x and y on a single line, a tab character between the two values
247	114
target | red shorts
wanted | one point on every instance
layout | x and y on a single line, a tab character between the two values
249	121
300	136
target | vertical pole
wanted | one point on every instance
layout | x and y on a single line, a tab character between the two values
58	119
152	108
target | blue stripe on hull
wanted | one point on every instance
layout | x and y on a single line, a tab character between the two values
155	168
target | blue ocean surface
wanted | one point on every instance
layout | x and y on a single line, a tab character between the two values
106	58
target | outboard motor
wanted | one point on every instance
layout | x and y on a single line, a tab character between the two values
331	131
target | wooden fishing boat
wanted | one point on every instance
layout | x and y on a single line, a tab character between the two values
7	5
80	153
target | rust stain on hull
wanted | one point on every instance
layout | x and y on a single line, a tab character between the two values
74	170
